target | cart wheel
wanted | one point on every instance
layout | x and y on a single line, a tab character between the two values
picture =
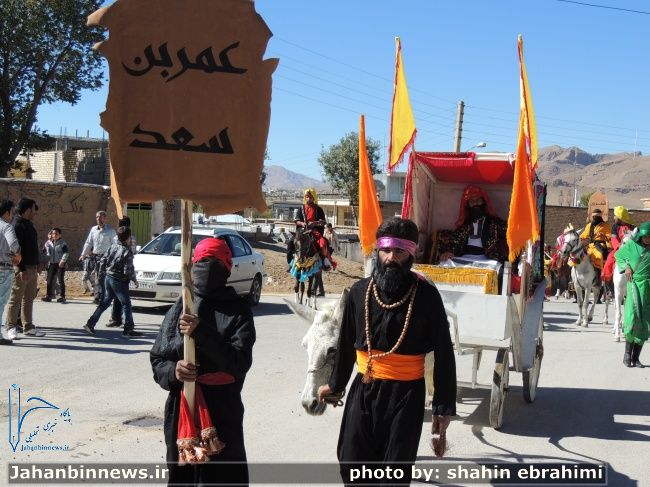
530	377
499	388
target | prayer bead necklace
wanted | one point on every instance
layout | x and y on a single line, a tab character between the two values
368	375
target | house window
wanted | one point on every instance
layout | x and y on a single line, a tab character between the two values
348	218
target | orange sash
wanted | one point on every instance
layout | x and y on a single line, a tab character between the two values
393	367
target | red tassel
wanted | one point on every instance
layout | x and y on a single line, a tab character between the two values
211	442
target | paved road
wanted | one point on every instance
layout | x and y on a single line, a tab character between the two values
588	408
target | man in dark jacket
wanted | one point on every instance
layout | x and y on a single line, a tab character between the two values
224	333
118	263
24	288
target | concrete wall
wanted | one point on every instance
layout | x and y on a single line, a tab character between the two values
82	166
69	206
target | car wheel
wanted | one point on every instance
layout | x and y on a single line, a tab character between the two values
256	291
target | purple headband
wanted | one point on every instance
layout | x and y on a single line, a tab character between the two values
396	243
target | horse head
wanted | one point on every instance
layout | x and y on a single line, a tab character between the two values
302	241
569	243
321	342
629	235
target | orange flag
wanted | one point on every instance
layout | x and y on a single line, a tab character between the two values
523	223
402	123
526	107
369	212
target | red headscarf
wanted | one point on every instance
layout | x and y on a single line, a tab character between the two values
472	191
214	248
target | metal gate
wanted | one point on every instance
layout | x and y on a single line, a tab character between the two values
140	215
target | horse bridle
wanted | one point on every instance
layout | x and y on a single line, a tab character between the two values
579	248
329	360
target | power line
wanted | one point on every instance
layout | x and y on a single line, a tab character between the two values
605	6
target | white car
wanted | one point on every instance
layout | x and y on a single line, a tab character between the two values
158	265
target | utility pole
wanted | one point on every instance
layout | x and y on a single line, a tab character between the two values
459	126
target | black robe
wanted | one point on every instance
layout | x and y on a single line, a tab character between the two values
382	421
224	343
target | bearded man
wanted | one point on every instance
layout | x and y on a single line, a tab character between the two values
479	234
391	320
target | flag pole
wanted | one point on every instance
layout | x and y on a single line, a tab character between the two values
189	351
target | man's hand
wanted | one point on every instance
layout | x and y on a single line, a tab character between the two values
439	424
186	371
446	256
23	276
188	324
16	258
62	265
324	391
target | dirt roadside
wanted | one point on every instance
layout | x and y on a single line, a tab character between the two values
277	280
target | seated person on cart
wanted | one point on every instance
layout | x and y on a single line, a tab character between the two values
479	234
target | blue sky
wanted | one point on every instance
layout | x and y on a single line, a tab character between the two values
587	68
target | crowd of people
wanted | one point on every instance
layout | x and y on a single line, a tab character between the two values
107	259
390	321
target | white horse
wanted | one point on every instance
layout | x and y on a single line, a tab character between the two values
321	342
584	276
620	290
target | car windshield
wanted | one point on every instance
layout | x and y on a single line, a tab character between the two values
169	244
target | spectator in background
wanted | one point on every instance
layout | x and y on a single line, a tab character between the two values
97	244
116	312
118	264
57	256
333	238
26	273
9	256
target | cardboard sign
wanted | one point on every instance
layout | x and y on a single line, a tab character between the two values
188	107
598	200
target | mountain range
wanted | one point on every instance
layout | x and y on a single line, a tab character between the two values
624	177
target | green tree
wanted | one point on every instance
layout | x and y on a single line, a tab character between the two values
584	199
45	56
340	163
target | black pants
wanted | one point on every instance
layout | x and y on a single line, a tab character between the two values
54	271
382	422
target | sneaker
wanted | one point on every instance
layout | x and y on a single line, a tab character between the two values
4	341
131	333
33	332
47	299
61	300
11	333
114	324
90	330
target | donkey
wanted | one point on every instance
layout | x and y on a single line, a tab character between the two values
321	342
304	264
584	276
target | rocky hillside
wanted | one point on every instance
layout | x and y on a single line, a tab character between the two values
280	178
624	177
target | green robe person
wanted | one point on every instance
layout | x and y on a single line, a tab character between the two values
633	258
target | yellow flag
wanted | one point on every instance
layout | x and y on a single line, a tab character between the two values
402	123
526	108
369	212
523	222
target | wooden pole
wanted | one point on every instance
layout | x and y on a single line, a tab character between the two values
189	351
